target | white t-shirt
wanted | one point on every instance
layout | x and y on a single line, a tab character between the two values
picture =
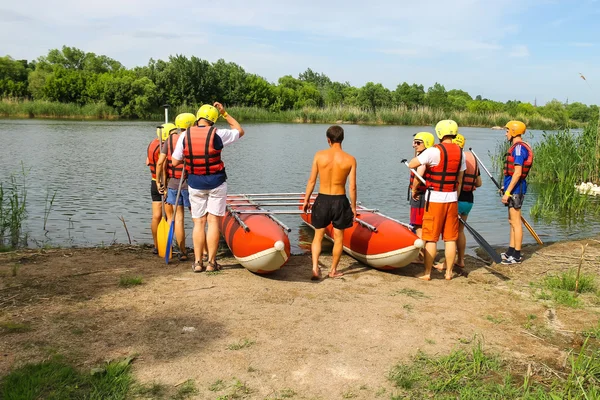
431	158
227	136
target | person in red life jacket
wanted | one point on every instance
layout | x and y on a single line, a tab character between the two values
169	177
471	181
421	141
519	160
445	166
200	146
153	153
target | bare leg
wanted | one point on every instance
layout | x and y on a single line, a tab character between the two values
212	237
316	252
419	233
338	247
450	254
199	237
516	228
156	217
180	229
461	243
430	252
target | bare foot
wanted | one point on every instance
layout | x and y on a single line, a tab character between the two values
336	274
419	261
424	277
440	267
448	277
316	275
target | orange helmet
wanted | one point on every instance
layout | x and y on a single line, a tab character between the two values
515	128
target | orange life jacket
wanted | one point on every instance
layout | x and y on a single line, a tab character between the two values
153	153
199	151
444	176
471	174
172	171
509	164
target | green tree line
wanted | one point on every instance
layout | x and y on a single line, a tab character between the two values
71	75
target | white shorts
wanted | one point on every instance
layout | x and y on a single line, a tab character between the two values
212	201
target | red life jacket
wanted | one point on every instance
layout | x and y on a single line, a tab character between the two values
509	164
444	176
153	153
199	151
471	174
420	188
172	171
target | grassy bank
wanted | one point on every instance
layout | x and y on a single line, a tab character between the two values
424	116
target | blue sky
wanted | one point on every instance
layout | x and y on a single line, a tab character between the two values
500	49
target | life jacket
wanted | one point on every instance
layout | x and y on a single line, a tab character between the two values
421	188
199	151
153	154
471	174
509	164
444	176
172	171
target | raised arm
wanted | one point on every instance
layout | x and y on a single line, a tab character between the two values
233	124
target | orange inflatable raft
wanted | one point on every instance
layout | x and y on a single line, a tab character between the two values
377	240
258	242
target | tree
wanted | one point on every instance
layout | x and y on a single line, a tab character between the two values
437	97
373	96
13	77
409	96
317	79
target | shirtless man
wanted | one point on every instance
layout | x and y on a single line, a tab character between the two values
331	205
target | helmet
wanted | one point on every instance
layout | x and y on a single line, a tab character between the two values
208	113
165	129
459	140
426	137
515	128
185	120
446	127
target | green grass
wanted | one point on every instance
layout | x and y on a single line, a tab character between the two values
242	344
10	108
235	389
186	390
55	379
561	288
593	332
14	327
128	281
415	294
475	374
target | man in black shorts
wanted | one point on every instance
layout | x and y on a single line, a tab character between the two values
333	167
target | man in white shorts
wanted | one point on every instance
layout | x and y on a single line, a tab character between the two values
200	148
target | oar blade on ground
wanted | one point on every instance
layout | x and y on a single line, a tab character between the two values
483	243
161	237
169	250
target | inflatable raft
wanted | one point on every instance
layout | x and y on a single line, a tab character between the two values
377	240
257	240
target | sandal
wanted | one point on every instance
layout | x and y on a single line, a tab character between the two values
154	250
182	257
197	265
213	266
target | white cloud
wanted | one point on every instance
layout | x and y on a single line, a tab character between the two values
519	51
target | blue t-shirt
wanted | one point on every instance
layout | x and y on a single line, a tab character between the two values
207	182
520	154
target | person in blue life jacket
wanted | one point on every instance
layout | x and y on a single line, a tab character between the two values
518	162
200	147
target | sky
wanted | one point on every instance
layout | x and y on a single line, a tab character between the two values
527	50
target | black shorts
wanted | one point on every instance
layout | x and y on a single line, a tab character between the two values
334	209
156	196
515	201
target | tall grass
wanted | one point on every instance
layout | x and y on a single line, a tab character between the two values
563	160
11	108
13	196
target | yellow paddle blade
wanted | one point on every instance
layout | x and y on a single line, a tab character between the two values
161	237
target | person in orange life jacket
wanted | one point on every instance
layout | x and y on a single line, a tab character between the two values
471	181
519	160
445	168
169	177
421	141
201	148
153	153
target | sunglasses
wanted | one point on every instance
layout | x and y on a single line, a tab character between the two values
417	142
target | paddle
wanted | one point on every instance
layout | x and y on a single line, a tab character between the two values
172	227
529	227
478	238
163	228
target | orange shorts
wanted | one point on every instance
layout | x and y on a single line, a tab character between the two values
441	219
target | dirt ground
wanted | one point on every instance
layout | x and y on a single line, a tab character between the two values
282	335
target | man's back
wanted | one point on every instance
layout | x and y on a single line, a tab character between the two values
334	166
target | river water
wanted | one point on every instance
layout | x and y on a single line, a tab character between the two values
97	172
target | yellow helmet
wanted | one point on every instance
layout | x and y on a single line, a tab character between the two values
515	128
446	127
426	137
165	130
459	140
185	120
208	113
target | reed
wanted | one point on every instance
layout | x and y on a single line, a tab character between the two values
13	196
12	108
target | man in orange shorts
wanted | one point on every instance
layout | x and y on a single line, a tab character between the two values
445	169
